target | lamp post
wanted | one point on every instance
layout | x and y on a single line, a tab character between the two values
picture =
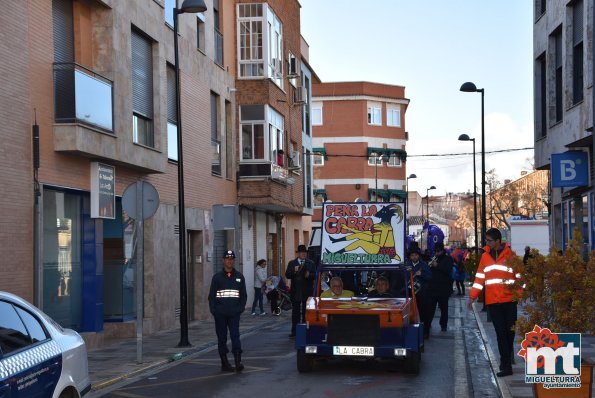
465	137
428	202
469	87
382	158
192	6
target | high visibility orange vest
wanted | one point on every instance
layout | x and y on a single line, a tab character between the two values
495	276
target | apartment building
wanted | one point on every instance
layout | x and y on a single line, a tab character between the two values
563	99
273	83
100	84
359	143
96	80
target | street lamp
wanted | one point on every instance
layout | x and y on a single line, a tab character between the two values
191	6
465	137
382	158
469	87
407	205
428	202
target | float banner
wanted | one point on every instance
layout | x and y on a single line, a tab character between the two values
363	233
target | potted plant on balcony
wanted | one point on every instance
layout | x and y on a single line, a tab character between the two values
557	296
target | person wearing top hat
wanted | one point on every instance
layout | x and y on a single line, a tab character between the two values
227	301
301	271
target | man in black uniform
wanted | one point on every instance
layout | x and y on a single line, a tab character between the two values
227	300
301	271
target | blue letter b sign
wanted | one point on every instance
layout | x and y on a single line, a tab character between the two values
570	169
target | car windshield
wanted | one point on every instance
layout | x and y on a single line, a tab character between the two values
362	283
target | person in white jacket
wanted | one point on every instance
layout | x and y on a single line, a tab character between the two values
260	275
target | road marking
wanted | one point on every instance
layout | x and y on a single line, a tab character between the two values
216	360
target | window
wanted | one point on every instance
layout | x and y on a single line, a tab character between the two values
35	329
318	159
228	141
374	114
577	51
307	109
375	159
275	42
260	39
540	7
252	126
316	114
250	40
200	31
142	90
540	97
169	11
319	197
276	137
263	134
558	58
172	114
308	179
215	136
13	334
217	34
393	116
394	160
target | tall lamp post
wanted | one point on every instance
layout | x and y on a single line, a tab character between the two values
191	6
428	202
381	158
465	137
469	87
407	207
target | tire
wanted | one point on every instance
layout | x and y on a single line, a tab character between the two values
305	363
413	362
277	311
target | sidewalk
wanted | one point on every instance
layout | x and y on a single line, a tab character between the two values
514	386
118	361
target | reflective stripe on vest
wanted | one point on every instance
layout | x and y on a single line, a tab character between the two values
228	293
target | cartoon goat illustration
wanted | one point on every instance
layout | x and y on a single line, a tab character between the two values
380	239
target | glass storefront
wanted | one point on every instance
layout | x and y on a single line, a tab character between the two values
62	266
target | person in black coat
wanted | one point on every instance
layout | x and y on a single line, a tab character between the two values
301	272
227	301
440	286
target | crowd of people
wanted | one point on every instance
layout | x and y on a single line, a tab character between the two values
433	278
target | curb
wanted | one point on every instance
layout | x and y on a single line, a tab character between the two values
173	358
502	386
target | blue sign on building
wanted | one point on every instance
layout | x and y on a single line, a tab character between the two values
570	169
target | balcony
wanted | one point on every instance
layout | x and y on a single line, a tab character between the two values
84	121
264	185
218	47
82	96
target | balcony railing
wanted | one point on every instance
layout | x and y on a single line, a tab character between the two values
82	96
218	47
260	170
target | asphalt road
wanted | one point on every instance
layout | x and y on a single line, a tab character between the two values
454	364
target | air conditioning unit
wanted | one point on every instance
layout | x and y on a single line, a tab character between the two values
292	68
300	95
295	161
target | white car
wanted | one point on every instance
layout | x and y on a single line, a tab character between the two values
39	358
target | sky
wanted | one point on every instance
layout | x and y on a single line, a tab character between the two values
431	47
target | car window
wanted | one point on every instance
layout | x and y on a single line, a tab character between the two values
13	334
35	329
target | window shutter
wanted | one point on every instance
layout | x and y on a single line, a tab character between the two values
63	31
142	76
172	114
